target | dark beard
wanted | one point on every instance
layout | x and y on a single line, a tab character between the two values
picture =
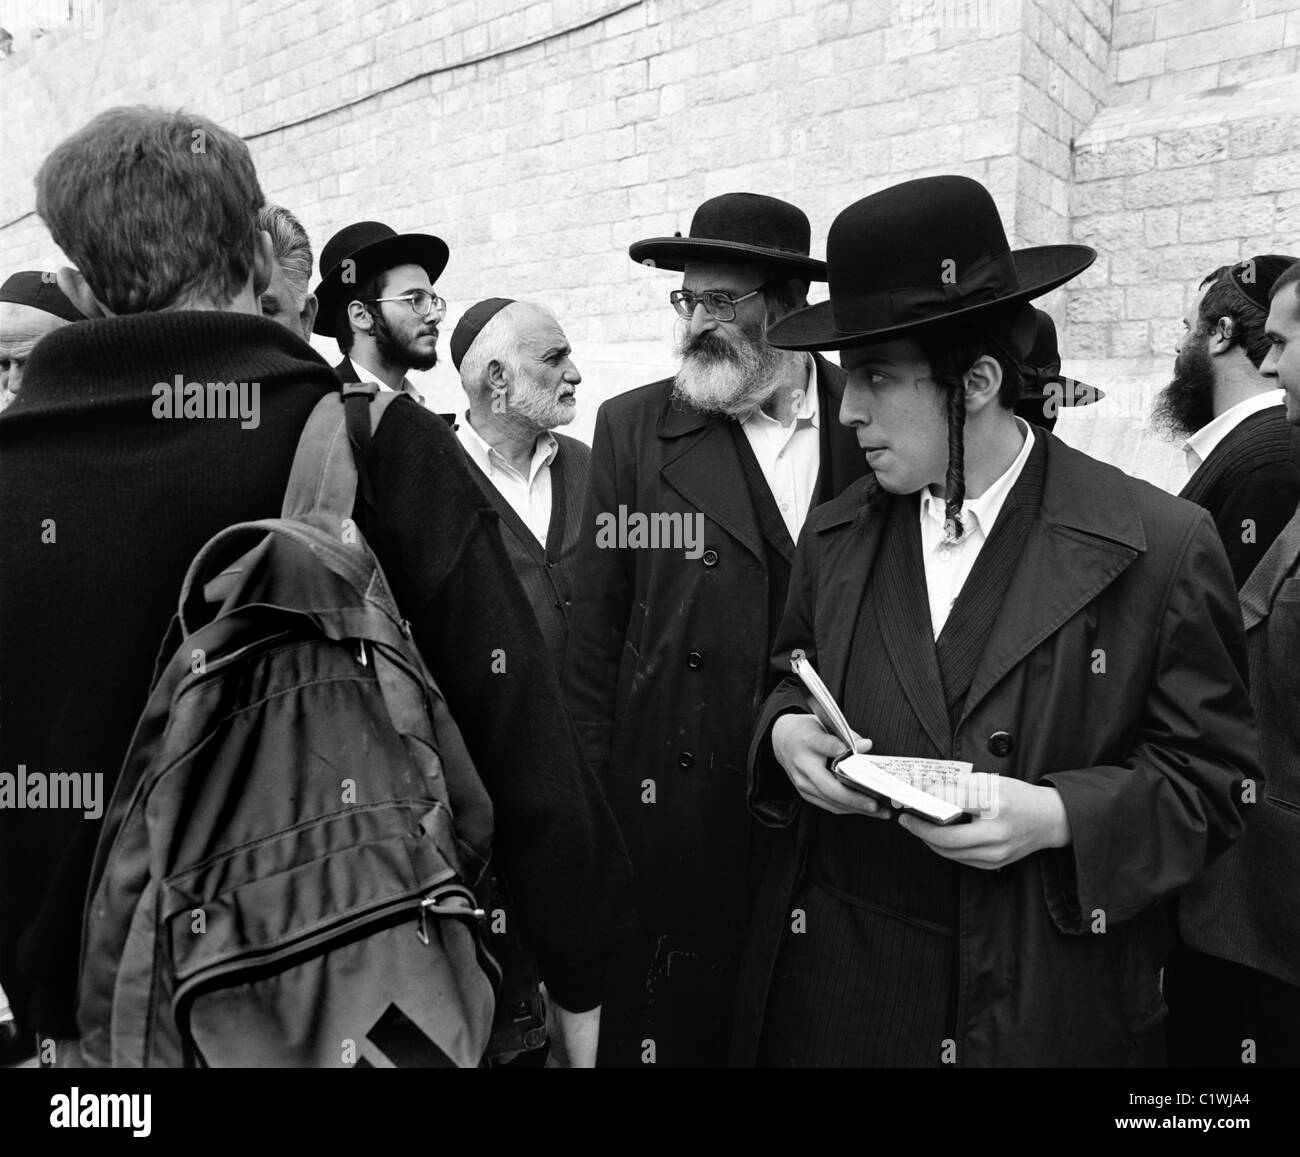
395	353
1187	403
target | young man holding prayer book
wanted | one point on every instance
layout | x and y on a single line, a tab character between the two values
988	596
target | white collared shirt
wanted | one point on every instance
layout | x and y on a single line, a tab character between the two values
365	375
948	566
1201	445
790	456
530	497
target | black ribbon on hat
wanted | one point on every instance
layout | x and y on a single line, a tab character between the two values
987	279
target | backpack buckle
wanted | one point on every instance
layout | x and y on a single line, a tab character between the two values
451	901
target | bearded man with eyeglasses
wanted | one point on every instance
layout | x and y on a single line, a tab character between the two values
668	643
377	301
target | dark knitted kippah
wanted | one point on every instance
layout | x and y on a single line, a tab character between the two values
469	326
1255	276
38	290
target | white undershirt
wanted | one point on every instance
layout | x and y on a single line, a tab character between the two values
530	497
948	566
1201	445
790	456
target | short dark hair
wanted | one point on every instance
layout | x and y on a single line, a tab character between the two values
152	207
367	288
1223	299
1289	276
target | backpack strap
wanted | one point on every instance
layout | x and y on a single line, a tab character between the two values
331	455
323	480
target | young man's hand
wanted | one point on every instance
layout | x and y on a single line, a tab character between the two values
1025	819
802	746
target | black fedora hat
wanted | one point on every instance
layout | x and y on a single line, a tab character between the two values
372	247
1044	390
739	229
925	251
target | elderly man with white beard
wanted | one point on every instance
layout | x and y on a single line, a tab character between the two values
669	641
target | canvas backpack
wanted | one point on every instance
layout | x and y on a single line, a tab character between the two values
280	879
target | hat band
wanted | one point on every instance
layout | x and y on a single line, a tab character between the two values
988	279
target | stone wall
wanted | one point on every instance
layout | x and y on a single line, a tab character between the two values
541	137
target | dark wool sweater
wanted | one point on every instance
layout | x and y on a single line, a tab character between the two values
125	499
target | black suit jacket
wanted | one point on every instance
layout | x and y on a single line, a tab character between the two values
1250	484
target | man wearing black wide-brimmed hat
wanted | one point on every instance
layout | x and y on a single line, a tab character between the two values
666	653
994	597
377	301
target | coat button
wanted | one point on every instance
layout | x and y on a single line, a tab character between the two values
694	659
1001	743
710	558
686	759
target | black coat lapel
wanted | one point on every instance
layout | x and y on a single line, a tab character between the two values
702	465
1278	563
905	623
1087	532
769	517
966	631
559	491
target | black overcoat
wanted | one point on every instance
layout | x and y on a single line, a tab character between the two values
666	667
1115	672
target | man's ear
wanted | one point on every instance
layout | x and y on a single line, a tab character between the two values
982	383
359	316
263	262
78	292
497	377
1221	338
307	317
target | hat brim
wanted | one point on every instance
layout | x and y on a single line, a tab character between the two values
672	253
1039	270
422	249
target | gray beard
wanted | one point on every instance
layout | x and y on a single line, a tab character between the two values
732	383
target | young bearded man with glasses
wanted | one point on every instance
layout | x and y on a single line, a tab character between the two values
377	301
667	643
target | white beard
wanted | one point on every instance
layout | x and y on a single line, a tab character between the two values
733	384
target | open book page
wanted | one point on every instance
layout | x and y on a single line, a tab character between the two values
933	788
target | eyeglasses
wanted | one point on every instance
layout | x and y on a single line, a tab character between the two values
718	305
422	302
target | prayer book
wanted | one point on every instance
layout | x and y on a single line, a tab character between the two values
934	789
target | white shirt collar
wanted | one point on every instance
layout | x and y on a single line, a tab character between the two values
805	408
988	505
365	375
489	459
1201	445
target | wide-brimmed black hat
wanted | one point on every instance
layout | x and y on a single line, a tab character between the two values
1044	390
739	229
373	247
922	252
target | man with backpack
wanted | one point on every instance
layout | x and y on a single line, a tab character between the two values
171	416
